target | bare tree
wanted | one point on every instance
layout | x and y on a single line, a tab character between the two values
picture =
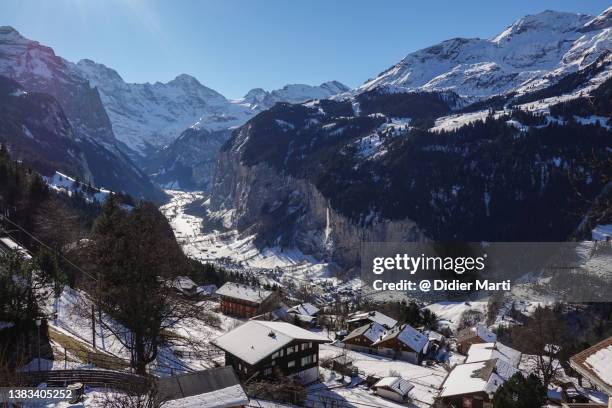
541	338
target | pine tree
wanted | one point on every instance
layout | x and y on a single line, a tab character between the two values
520	392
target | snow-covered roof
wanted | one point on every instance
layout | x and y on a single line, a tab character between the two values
483	376
206	289
594	363
408	335
488	351
244	292
374	316
183	283
255	340
372	331
306	309
8	244
233	396
216	387
433	335
480	331
396	384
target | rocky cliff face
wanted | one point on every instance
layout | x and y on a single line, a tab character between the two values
291	212
383	165
37	69
189	162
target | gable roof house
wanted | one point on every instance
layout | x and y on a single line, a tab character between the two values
489	351
358	319
595	364
245	301
304	314
394	388
213	388
404	343
473	384
362	338
474	335
259	349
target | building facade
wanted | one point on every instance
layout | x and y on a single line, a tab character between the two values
262	349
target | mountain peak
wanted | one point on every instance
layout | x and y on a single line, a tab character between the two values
8	35
546	21
604	20
185	79
97	72
255	96
335	87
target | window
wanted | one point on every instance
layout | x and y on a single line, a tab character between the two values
303	346
291	364
314	358
306	360
275	355
267	371
291	350
310	345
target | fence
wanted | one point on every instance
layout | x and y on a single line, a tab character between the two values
92	378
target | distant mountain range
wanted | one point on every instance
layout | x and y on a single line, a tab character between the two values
507	139
532	53
122	127
146	117
456	141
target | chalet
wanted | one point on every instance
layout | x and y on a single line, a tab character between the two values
473	385
304	314
595	364
436	341
362	338
474	335
216	387
393	388
245	301
489	351
359	319
259	349
403	342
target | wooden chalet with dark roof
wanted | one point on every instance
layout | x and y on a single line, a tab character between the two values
262	349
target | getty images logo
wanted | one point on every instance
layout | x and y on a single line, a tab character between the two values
413	264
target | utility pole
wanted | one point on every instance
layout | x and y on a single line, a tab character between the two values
93	326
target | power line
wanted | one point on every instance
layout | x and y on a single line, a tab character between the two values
5	218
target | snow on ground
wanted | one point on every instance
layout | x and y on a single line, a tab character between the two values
450	313
234	251
66	184
332	390
427	380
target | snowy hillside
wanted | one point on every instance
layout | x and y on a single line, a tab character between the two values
153	115
527	55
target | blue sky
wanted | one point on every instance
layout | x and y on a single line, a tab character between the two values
235	45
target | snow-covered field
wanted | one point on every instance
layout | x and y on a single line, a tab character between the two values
233	251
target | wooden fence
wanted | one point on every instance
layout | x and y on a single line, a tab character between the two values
92	378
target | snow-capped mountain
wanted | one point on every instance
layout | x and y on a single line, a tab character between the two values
37	69
260	99
465	140
148	116
529	54
152	115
